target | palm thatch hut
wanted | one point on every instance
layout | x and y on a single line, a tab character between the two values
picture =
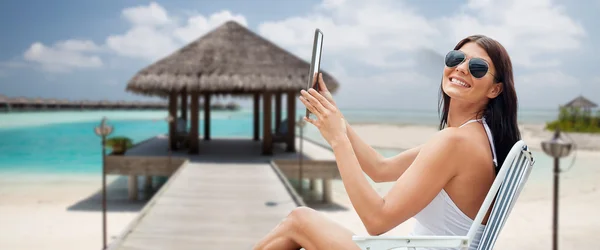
105	104
64	104
20	103
38	103
4	103
581	103
229	60
85	104
52	103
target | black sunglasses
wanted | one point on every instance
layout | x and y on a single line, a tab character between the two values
477	66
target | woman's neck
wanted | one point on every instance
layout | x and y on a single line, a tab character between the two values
459	113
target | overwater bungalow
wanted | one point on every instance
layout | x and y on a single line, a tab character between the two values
52	103
66	104
20	103
217	106
228	61
4	104
121	105
38	103
232	106
105	104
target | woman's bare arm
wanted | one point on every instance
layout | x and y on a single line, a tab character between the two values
375	165
436	164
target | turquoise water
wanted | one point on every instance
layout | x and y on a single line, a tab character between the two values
64	142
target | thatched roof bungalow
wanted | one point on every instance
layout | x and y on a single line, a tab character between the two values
4	103
65	103
38	103
19	102
581	102
229	60
51	103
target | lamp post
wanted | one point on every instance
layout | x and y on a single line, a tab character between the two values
556	148
301	124
169	119
103	130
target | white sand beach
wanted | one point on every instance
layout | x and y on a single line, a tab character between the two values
63	212
530	224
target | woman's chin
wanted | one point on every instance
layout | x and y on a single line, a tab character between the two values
455	92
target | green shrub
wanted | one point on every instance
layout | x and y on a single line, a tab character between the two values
119	140
576	120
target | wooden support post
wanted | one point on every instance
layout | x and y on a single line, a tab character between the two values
148	183
277	112
256	116
312	184
195	126
184	104
327	190
267	138
207	116
291	122
133	187
173	114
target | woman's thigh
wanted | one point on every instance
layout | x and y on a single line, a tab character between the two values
321	232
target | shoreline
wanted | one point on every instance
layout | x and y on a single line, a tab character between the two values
532	133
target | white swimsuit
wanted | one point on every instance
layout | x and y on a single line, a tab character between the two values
442	217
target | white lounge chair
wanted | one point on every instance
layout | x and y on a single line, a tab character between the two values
506	188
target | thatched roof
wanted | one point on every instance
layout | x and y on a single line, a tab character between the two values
64	102
19	100
51	101
228	60
38	100
580	102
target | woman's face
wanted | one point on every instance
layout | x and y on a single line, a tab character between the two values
458	83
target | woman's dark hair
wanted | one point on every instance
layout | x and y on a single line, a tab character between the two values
500	112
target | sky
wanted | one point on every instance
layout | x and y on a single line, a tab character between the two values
384	53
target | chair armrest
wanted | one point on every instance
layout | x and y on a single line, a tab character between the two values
390	242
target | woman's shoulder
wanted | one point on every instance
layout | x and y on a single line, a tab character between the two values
455	137
453	143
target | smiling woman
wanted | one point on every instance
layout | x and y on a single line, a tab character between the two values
443	182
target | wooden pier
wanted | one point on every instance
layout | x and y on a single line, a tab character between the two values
227	197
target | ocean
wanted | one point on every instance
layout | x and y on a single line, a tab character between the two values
64	142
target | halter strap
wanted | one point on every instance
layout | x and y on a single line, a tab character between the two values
470	121
489	135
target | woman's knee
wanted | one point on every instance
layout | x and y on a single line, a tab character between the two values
301	213
301	216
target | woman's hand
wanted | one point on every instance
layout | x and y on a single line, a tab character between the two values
330	120
324	91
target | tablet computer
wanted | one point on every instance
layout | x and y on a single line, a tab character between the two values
315	63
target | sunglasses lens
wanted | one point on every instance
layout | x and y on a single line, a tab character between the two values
478	67
454	58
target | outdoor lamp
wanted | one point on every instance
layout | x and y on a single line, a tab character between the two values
103	131
556	148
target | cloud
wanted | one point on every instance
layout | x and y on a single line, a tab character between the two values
372	30
142	42
155	34
546	88
528	29
151	15
544	79
63	56
198	25
376	30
